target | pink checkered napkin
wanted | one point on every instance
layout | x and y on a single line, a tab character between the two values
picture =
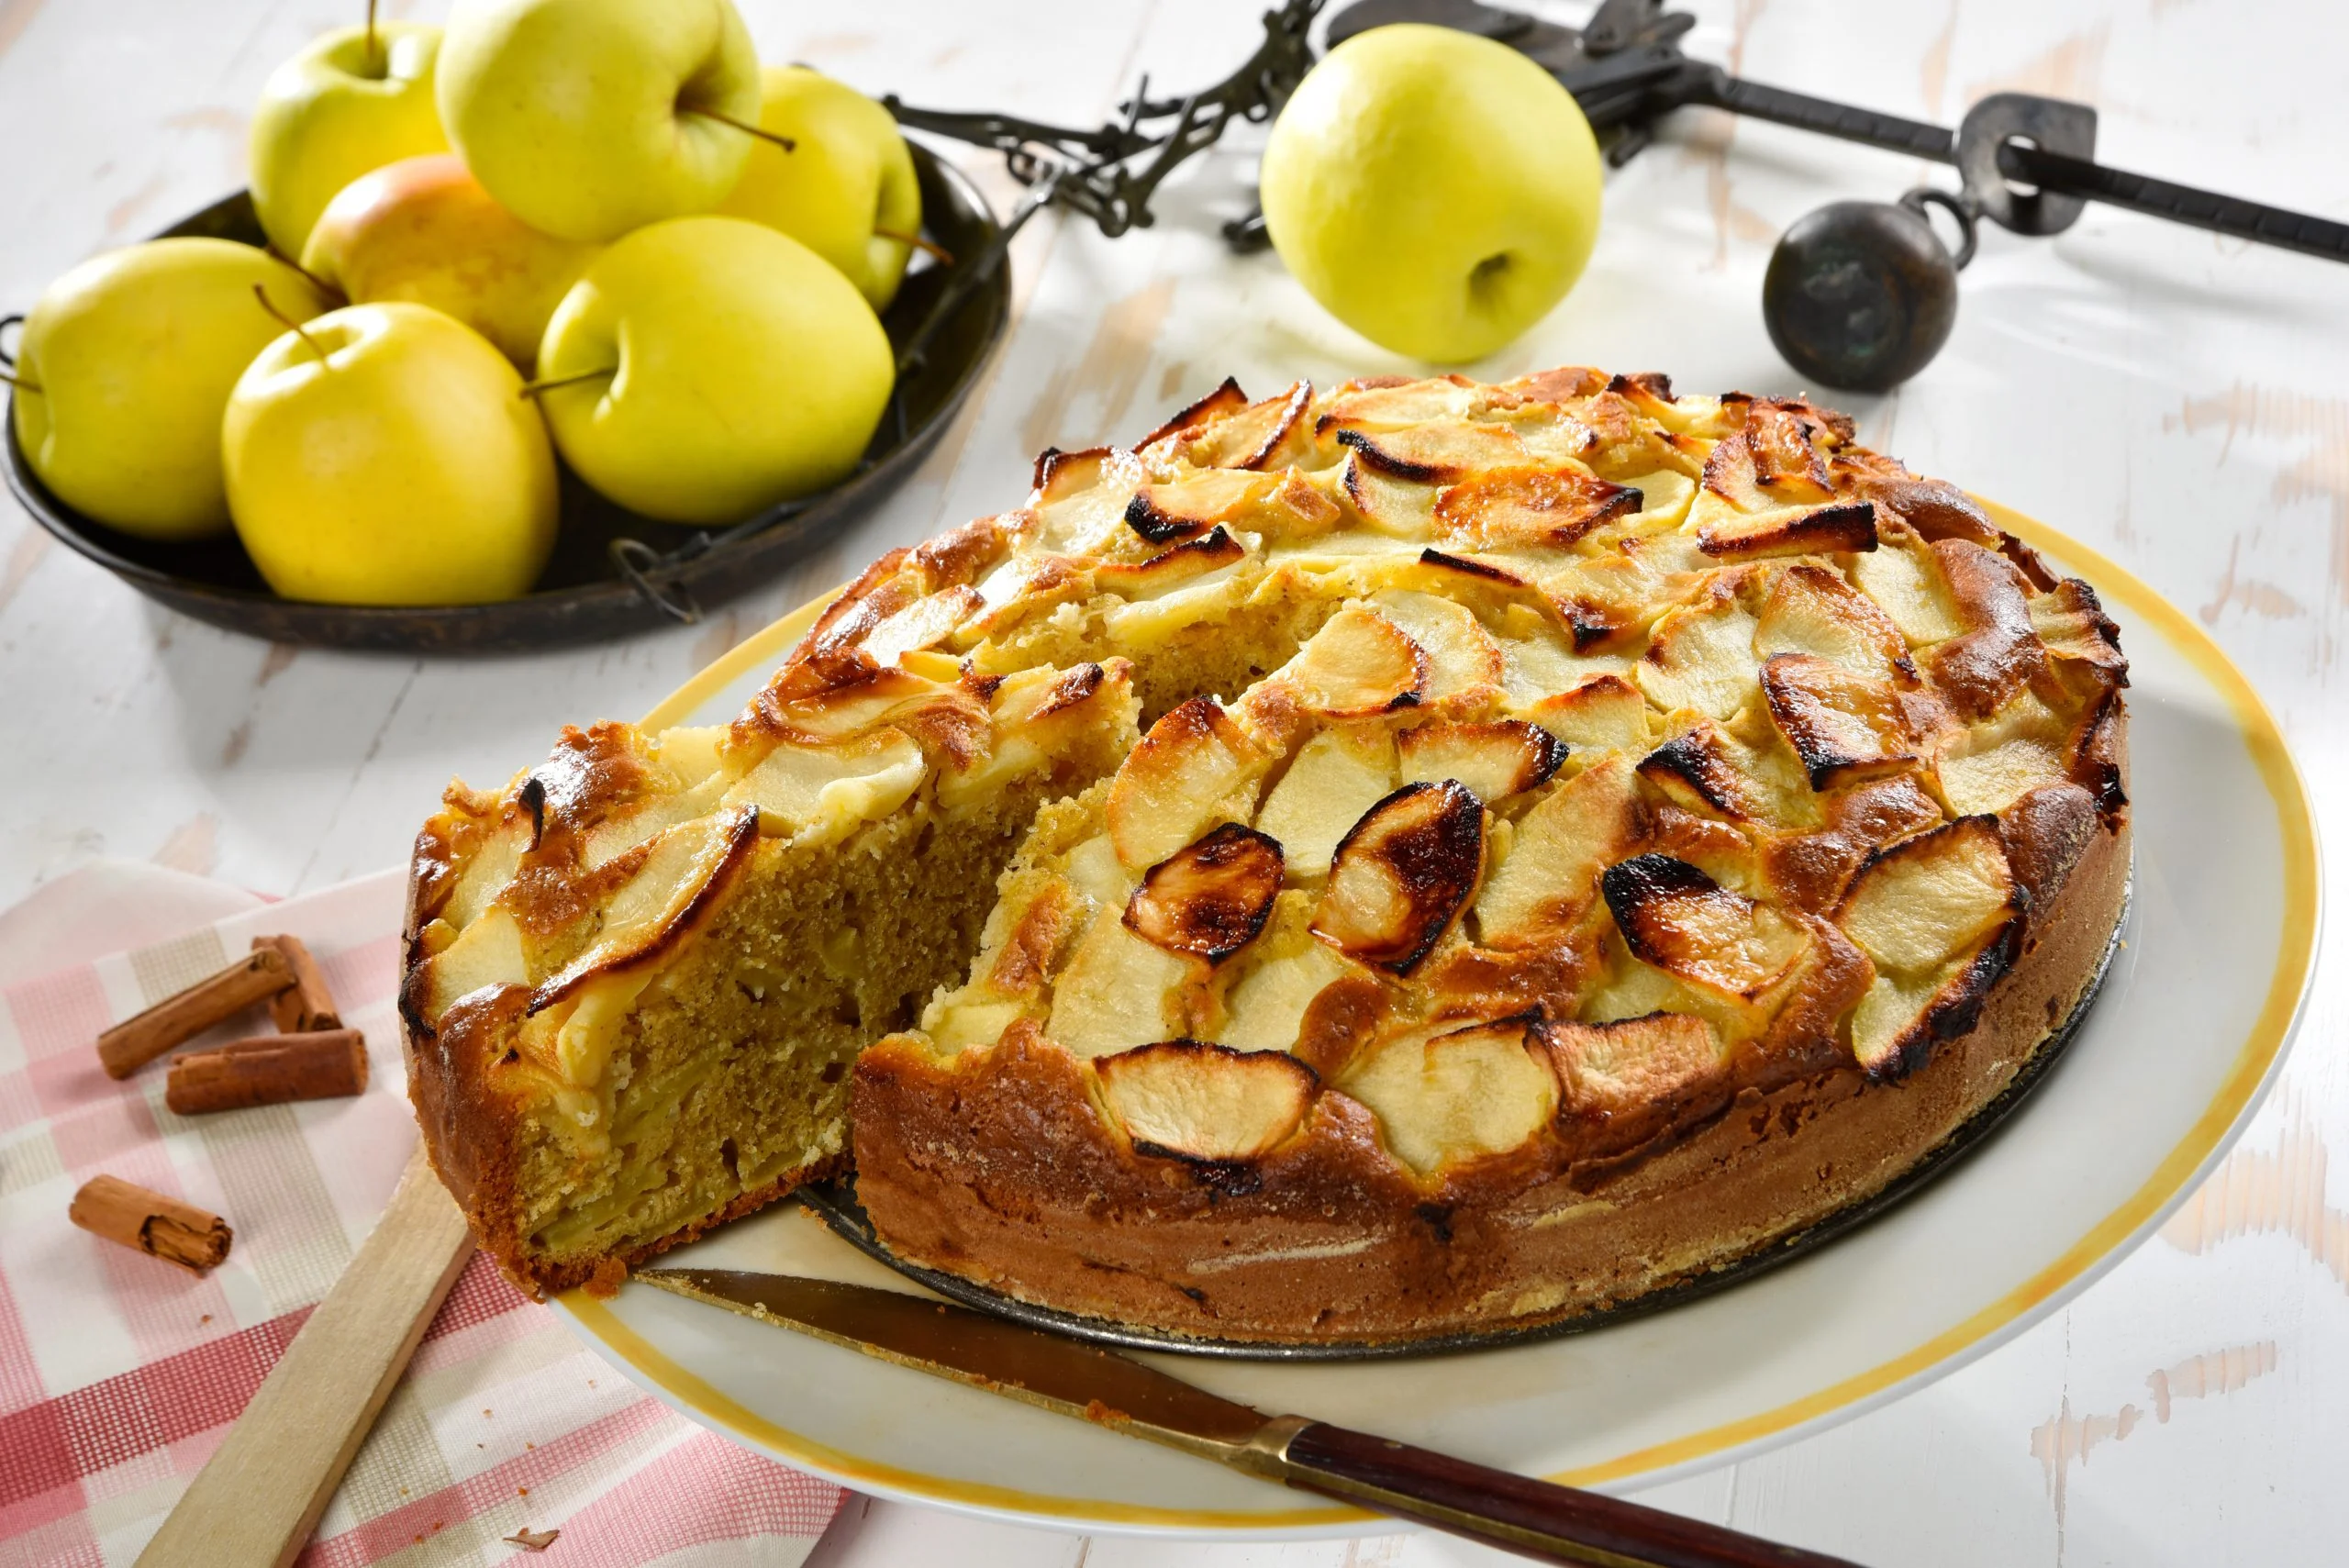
119	1375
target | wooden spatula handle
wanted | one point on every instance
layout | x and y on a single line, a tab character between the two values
1517	1513
255	1502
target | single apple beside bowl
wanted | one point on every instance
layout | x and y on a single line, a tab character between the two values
385	454
423	230
1435	191
355	100
124	370
707	367
847	188
588	118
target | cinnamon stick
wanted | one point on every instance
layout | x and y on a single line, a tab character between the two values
147	1221
268	1070
177	1019
307	1005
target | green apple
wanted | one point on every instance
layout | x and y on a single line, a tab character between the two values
846	188
356	99
385	454
124	367
590	117
423	230
723	367
1437	192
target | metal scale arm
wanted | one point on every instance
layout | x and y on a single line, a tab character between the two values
2061	173
1625	68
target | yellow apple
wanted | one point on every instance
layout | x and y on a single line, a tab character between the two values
124	367
848	177
742	370
588	118
423	230
387	455
352	102
1437	192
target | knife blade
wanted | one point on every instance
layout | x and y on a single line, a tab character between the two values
1534	1519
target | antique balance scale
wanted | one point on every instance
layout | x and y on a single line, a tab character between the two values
1860	296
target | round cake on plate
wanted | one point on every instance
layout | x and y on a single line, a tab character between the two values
1410	859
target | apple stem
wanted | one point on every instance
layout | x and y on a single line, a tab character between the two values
291	325
20	382
532	388
316	281
935	252
748	130
372	46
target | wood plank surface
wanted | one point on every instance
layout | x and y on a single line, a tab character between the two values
2176	401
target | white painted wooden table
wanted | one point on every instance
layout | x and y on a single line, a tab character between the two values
2179	402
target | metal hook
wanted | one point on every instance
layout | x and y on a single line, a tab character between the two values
977	268
14	318
1957	206
631	557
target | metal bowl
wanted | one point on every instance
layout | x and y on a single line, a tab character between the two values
612	572
835	1203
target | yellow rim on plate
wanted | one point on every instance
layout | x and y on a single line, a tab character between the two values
2261	1047
764	647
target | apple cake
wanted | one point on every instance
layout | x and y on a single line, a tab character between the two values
1414	857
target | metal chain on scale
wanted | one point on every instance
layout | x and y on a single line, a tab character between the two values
1859	295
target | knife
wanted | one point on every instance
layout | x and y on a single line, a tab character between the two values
1515	1513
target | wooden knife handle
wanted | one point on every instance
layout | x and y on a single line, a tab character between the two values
258	1497
1516	1513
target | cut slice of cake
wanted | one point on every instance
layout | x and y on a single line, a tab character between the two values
638	975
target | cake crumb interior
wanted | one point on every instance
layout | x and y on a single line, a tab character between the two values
730	1079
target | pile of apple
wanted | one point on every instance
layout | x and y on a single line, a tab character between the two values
682	253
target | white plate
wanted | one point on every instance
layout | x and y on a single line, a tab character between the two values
2191	1024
